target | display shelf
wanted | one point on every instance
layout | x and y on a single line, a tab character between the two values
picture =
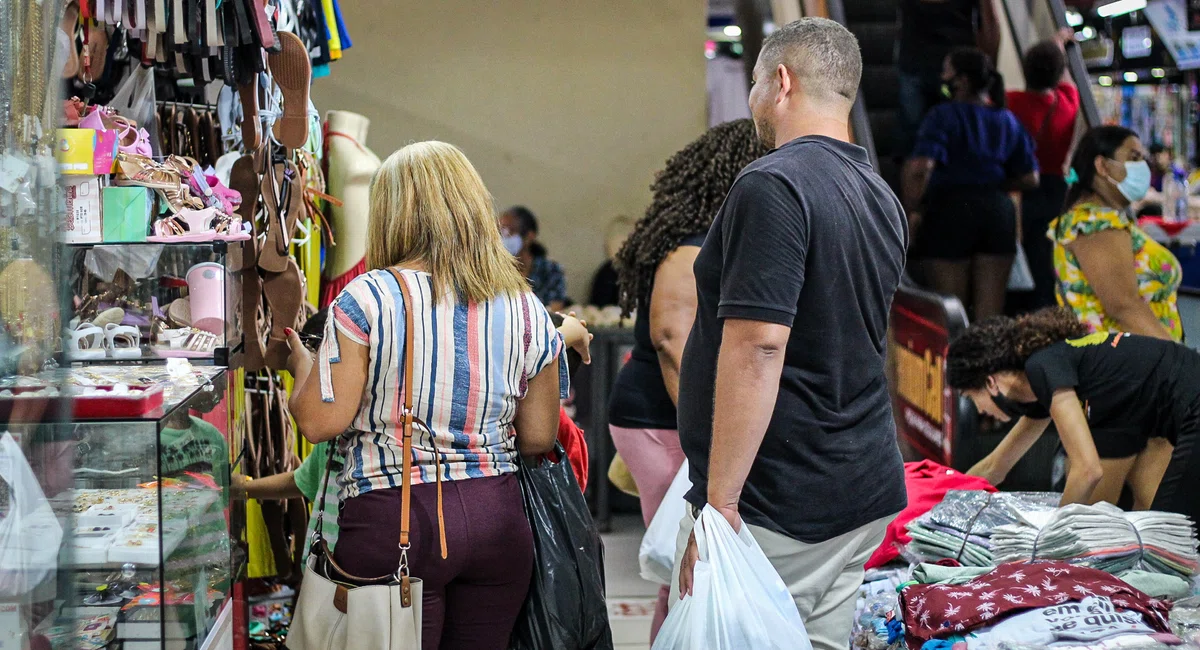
148	302
147	535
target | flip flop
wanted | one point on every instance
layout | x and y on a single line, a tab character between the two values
292	70
285	296
283	203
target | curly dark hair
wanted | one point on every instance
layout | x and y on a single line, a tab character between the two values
1001	344
688	192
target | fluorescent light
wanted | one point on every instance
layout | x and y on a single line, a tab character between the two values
1074	18
1158	73
1131	77
1105	81
733	31
1120	7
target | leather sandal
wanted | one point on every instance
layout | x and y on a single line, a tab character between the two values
244	179
292	70
283	203
284	293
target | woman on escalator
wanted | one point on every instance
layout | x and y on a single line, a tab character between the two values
1108	393
970	153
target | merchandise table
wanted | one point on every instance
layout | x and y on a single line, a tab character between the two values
609	348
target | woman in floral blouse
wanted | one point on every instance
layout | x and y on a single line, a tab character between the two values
1114	276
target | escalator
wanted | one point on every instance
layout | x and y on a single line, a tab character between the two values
875	24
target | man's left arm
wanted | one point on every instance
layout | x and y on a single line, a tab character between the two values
747	385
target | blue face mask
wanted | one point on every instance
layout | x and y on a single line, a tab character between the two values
1137	180
513	243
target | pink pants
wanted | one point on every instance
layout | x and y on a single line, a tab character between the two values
653	457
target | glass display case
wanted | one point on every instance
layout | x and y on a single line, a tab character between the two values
148	301
128	538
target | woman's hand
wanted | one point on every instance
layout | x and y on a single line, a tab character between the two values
300	360
575	334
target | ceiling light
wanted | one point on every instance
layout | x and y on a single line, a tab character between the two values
733	31
1104	81
1074	18
1120	7
1130	77
1158	73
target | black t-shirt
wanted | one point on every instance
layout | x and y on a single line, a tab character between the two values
812	238
1130	385
930	29
640	399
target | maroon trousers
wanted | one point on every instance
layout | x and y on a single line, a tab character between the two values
471	598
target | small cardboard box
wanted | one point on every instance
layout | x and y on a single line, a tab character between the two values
84	223
127	213
76	152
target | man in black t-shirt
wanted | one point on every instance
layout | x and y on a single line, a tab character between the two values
929	30
783	406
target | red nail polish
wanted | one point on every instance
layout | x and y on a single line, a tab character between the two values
288	331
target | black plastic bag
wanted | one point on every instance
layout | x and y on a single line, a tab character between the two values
566	607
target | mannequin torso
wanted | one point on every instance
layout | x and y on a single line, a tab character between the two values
351	166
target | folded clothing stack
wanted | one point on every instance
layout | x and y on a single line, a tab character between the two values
1102	537
960	527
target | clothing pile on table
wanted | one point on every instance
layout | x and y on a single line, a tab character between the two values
1103	537
1037	604
961	526
1013	571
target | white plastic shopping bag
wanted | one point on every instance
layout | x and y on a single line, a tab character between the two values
656	557
738	600
1020	277
30	534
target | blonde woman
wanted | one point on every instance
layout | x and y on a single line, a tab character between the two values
486	365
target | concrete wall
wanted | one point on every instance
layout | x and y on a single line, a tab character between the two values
567	107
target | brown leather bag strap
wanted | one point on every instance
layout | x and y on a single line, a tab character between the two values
409	418
407	412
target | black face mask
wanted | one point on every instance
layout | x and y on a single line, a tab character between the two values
1014	409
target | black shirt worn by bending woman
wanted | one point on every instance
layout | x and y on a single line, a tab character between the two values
640	399
1133	388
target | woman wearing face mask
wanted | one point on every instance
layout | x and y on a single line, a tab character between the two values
1108	393
970	153
519	230
1110	273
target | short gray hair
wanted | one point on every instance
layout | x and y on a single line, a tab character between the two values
823	54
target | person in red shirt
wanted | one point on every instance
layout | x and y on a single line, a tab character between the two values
1048	108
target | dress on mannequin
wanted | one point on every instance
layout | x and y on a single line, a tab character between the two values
351	166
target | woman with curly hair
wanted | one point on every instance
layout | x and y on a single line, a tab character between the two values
1108	393
655	267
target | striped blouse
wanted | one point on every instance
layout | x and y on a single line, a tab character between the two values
472	362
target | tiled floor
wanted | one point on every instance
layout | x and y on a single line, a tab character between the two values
630	598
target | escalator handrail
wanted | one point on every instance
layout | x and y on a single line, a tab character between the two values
1079	73
860	123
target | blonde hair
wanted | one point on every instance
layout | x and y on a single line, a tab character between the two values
429	206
